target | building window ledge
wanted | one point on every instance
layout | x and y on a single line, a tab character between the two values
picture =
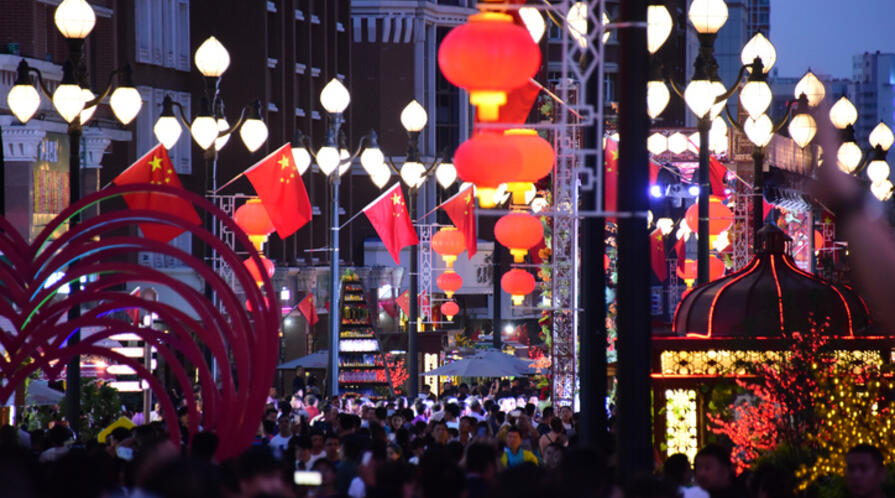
299	112
315	72
271	63
300	68
299	15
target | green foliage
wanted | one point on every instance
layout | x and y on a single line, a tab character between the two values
100	406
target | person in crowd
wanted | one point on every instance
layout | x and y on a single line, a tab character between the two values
332	445
544	423
514	454
677	471
327	488
568	423
557	435
280	442
299	381
59	436
714	473
864	472
481	470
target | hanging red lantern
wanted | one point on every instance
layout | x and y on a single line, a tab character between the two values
449	282
489	56
720	216
450	309
448	243
487	160
519	232
537	161
269	268
518	284
690	270
253	219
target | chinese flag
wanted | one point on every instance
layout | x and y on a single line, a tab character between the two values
717	172
307	308
461	210
388	215
403	302
657	255
155	167
680	248
610	175
281	190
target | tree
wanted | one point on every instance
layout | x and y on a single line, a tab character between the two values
100	406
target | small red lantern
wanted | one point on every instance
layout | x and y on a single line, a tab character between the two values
450	309
537	161
269	268
487	160
489	56
518	284
690	270
449	282
449	243
720	216
253	219
519	232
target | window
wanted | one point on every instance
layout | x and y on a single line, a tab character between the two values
162	33
145	121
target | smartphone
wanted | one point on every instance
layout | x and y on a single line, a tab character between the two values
124	453
308	478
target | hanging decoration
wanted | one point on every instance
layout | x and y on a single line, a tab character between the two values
518	284
488	160
253	219
449	282
538	157
450	309
519	232
448	243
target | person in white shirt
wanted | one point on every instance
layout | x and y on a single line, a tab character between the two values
280	442
678	471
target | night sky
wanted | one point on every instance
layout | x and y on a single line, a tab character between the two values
825	34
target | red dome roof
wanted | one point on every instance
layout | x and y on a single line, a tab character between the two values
768	296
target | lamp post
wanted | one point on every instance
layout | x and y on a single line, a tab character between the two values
881	139
851	159
76	103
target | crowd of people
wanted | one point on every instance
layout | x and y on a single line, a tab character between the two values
472	442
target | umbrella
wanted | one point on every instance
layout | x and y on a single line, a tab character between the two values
318	359
41	394
522	366
475	367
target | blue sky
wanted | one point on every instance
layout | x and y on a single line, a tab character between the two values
825	34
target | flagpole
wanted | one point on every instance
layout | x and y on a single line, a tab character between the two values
237	177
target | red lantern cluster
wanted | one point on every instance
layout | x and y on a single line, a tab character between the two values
253	219
448	243
537	161
487	160
449	282
519	232
518	284
450	309
489	56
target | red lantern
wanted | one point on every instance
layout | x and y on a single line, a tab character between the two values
519	232
449	282
489	56
487	160
690	270
518	284
720	216
269	268
449	243
537	161
253	219
450	309
818	241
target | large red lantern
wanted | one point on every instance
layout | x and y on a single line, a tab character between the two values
269	268
449	243
720	216
519	232
690	270
449	282
487	160
537	161
450	309
253	219
489	56
518	284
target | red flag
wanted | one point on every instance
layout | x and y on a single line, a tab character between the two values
307	308
461	210
610	175
717	172
134	313
403	301
657	255
155	167
282	192
654	168
680	248
388	215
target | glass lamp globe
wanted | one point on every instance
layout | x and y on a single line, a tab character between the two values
253	133
534	22
414	117
75	19
372	159
812	88
302	159
882	190
381	178
658	27
212	58
222	140
576	20
328	159
677	143
204	130
657	98
69	101
335	97
657	143
843	113
126	103
23	100
446	174
759	131
756	97
762	48
167	131
413	174
881	136
707	16
700	96
878	171
802	129
849	156
87	112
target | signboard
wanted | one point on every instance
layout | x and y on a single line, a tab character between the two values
50	181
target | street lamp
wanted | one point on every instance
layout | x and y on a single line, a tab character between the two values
881	139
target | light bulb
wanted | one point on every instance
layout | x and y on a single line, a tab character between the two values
576	20
414	117
802	129
222	140
372	160
413	174
843	113
75	19
658	27
878	171
381	178
700	96
302	159
126	104
881	136
657	98
335	97
708	16
204	130
849	156
167	131
534	22
87	112
23	101
253	133
677	143
212	58
759	131
812	88
446	174
882	190
69	101
762	48
756	97
328	159
657	143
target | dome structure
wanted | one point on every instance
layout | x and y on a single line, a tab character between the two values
769	298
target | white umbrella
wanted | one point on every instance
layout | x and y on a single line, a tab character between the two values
318	359
40	394
475	367
522	366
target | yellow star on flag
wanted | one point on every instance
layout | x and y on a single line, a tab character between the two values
156	163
